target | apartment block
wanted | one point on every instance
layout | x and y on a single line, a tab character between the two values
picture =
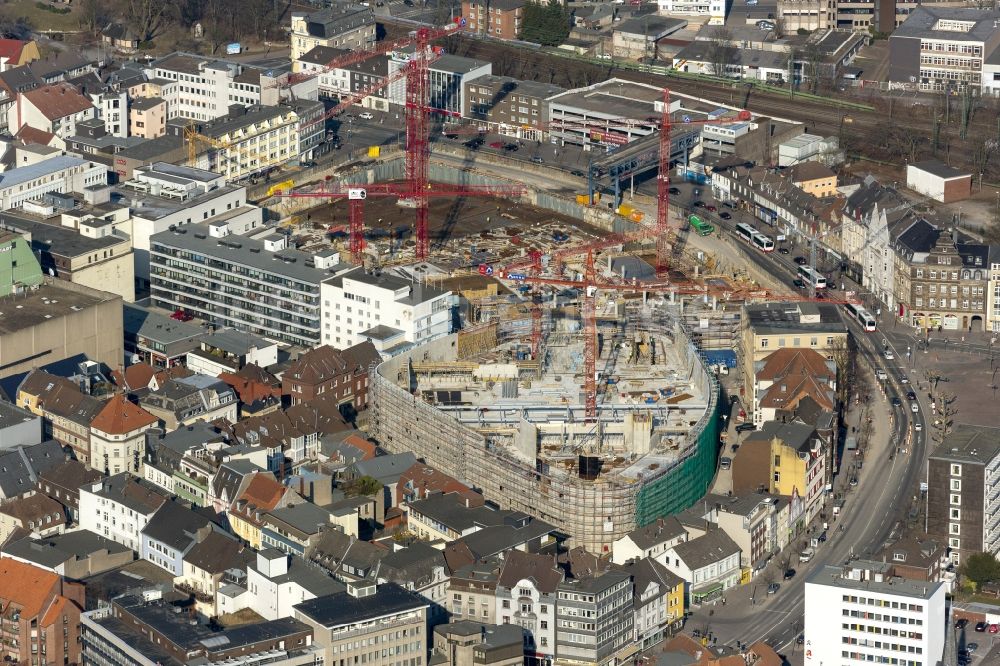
342	25
62	174
500	19
259	286
201	88
856	615
963	493
509	106
594	619
41	622
385	308
249	140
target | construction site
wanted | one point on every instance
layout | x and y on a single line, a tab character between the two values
480	405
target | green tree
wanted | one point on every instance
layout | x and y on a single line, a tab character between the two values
981	568
547	24
364	486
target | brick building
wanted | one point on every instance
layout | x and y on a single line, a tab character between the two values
328	370
40	623
496	18
508	106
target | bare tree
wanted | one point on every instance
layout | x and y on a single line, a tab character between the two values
845	357
94	15
721	51
812	57
944	419
148	17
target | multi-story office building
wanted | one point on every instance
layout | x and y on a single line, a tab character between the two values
594	619
62	174
343	26
944	49
259	286
963	492
164	195
202	88
385	308
509	106
448	75
371	624
857	615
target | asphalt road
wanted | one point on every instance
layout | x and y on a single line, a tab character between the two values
871	512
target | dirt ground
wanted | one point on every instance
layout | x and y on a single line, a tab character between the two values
498	226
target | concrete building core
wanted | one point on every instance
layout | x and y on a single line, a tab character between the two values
478	407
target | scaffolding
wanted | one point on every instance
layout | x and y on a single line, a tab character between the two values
594	509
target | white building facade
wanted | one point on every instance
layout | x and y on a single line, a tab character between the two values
857	616
356	302
714	9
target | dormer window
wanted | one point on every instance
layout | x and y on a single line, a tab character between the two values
899	557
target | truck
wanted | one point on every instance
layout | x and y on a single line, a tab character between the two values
701	227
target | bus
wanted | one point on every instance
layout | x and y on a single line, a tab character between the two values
762	242
745	231
703	228
862	316
811	277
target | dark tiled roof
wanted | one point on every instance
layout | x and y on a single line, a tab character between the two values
338	609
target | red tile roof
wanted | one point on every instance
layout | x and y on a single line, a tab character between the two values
28	135
11	49
25	585
263	492
249	390
798	361
120	417
58	100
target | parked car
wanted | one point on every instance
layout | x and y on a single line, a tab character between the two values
537	159
725	463
783	250
734	448
496	144
474	144
801	261
698	204
578	173
981	626
725	216
510	147
710	208
366	116
806	555
674	191
994	628
970	647
773	588
822	537
960	624
888	355
854	481
789	574
745	427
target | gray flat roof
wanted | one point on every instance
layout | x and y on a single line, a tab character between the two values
157	327
969	444
418	292
149	207
48	301
57	239
244	251
834	576
939	169
615	98
235	342
922	21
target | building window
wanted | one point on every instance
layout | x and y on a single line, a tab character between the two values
956	485
956	514
956	470
956	500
